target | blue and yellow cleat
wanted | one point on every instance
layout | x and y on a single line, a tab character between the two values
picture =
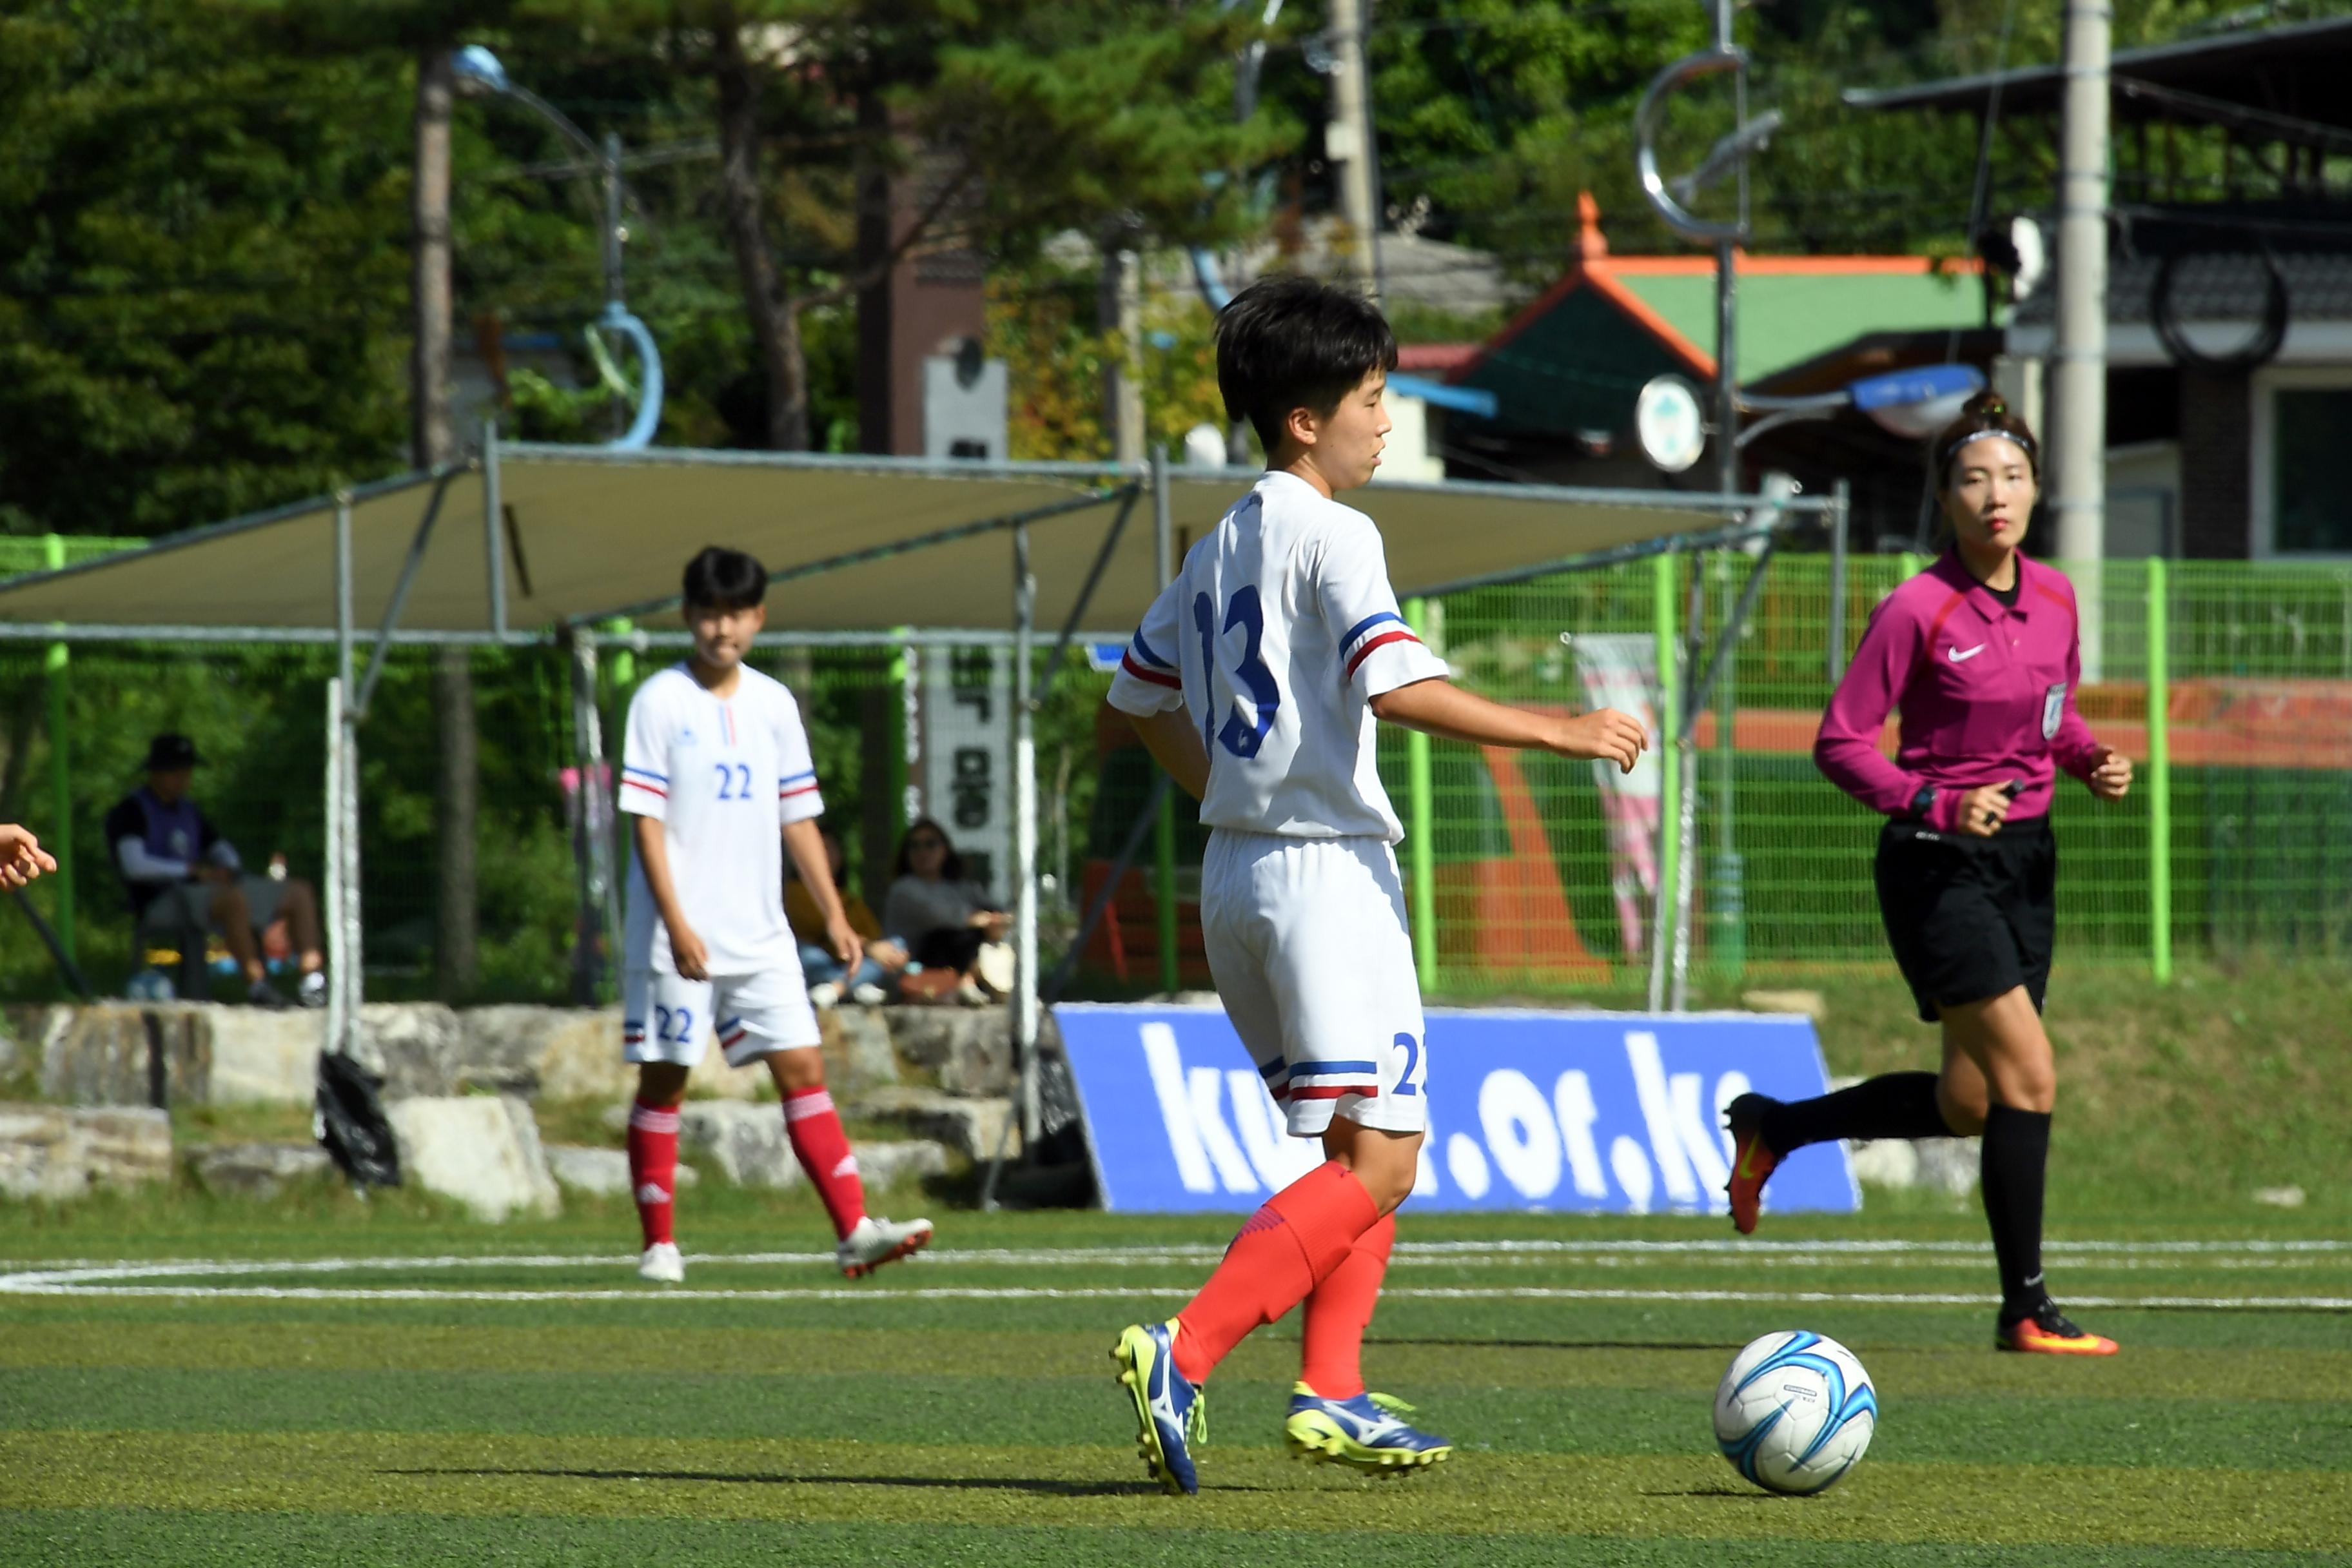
1364	1432
1171	1413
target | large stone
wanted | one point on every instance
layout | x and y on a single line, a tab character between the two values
482	1149
111	1053
416	1046
968	1049
553	1053
262	1056
859	1052
259	1170
975	1128
884	1165
604	1173
746	1141
59	1152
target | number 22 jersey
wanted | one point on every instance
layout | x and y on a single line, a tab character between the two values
722	777
1274	636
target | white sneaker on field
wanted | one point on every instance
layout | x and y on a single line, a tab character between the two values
876	1242
662	1265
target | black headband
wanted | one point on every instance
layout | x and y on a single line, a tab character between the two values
1952	448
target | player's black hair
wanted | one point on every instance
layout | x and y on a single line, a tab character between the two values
951	868
1295	342
724	579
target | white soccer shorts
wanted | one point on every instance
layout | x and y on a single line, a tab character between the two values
1307	940
665	1018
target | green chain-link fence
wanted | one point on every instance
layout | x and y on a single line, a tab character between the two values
1530	891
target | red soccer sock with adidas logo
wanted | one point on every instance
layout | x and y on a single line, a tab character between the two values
814	1128
1331	1350
1290	1246
653	1167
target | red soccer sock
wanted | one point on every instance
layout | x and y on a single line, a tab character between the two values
1303	1233
653	1166
814	1128
1330	1357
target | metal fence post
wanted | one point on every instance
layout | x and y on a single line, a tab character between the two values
1420	849
2159	773
1163	844
61	838
1669	717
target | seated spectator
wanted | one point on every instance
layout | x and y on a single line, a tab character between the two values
22	859
184	879
877	973
946	922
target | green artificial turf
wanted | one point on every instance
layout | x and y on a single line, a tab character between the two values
523	1398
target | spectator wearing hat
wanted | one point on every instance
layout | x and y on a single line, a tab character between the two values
183	878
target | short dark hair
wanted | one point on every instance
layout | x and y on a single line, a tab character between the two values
1295	342
725	579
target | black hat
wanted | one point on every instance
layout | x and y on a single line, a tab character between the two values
165	752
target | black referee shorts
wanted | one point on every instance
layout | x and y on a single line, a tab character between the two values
1970	919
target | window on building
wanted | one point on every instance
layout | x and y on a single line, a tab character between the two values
2311	495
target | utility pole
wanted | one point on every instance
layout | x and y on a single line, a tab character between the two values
1347	143
1119	309
2078	400
456	946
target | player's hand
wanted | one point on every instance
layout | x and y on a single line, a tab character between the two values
1604	735
22	859
2111	776
847	945
686	952
1984	809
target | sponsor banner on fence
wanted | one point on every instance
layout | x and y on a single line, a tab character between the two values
1605	1112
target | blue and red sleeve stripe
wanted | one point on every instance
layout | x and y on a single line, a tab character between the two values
1367	635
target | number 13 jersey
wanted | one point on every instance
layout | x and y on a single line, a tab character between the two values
1274	636
722	778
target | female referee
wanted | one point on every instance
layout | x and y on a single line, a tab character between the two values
1979	652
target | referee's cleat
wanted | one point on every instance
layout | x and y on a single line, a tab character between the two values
2049	1331
1751	1161
662	1265
876	1242
1170	1413
1366	1433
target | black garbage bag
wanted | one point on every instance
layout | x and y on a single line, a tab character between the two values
349	1124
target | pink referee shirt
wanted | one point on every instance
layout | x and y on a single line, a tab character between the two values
1987	694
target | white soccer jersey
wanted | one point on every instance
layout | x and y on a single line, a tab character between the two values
722	777
1277	634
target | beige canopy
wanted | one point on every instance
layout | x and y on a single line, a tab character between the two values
855	542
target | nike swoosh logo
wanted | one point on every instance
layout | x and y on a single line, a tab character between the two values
1958	657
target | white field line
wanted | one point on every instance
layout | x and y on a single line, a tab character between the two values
21	1285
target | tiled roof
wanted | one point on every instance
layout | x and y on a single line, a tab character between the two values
2213	287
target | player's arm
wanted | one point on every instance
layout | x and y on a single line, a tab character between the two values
1176	746
806	844
1440	708
685	949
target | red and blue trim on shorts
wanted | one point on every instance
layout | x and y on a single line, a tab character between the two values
1375	631
1287	1081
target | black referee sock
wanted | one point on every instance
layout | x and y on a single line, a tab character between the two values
2016	1161
1892	1105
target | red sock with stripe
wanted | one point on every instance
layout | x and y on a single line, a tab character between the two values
653	1166
814	1128
1330	1359
1290	1246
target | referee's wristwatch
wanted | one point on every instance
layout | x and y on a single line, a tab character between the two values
1924	802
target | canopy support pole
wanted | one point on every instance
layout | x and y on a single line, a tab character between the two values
1025	839
408	570
346	980
1094	580
595	935
494	528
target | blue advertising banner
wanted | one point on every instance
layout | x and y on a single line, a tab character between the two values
1600	1112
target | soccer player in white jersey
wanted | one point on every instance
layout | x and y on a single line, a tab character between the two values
716	760
1255	680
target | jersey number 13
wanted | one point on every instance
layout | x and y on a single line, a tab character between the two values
1253	684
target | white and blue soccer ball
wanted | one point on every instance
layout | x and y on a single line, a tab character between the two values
1795	1412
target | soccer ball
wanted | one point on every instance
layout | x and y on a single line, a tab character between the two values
1795	1412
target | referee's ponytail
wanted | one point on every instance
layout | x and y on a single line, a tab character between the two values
1985	413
